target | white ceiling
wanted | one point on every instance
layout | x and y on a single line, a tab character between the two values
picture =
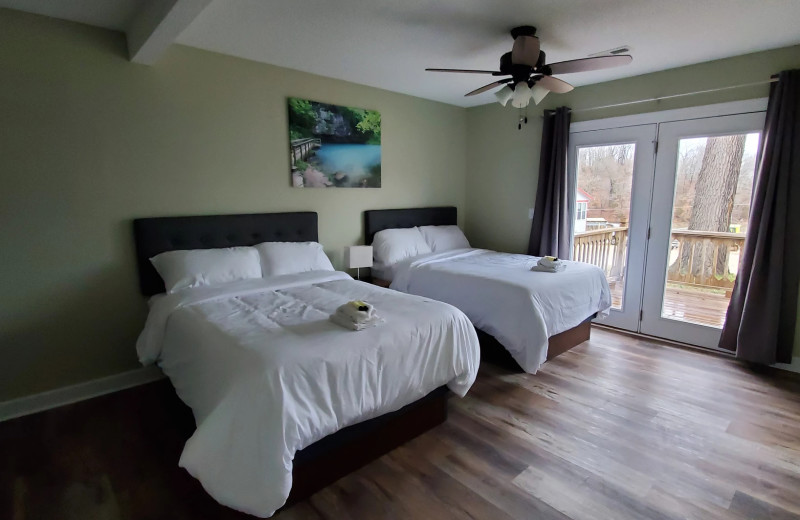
388	44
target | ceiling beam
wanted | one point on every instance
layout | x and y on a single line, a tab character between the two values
156	26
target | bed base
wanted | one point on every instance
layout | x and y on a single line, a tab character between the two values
343	452
495	353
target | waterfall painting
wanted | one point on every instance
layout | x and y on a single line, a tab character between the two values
332	146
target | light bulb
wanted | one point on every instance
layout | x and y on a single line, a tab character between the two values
522	95
504	94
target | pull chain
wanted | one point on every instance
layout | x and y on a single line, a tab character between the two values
523	118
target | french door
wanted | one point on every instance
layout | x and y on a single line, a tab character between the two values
704	175
613	172
663	210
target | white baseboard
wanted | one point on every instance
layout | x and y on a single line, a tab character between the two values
78	392
794	366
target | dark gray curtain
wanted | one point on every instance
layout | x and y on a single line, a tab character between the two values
551	230
761	318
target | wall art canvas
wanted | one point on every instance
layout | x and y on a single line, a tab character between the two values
332	146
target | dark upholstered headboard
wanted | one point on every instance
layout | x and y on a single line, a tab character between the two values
380	219
157	235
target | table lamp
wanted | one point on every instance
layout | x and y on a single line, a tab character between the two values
356	257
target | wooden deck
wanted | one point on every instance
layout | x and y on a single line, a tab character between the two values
686	304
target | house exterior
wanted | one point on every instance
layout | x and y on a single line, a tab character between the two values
593	223
581	207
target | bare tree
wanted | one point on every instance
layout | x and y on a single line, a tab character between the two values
714	196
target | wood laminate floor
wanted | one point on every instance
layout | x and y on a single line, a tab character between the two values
618	428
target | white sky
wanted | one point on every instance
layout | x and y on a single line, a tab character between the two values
750	144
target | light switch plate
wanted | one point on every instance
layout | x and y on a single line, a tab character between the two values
530	214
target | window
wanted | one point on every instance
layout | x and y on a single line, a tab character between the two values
582	206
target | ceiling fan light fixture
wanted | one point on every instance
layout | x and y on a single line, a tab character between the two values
538	93
522	95
504	95
526	67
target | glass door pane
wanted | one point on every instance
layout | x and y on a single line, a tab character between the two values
714	181
603	208
612	171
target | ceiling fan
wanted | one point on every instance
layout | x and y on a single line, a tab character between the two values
530	77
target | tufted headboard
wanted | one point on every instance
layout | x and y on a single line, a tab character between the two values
379	219
160	234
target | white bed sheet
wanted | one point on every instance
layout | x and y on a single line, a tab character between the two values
503	297
267	374
383	271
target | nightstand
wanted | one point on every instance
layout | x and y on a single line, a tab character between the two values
379	282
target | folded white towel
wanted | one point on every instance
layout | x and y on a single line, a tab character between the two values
549	261
343	320
544	269
357	310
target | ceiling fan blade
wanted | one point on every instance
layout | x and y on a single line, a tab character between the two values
525	51
466	71
556	85
490	86
587	64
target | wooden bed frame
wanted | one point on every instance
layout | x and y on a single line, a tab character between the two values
491	349
340	453
495	353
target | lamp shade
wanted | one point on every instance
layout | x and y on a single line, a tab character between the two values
522	95
504	94
539	93
358	256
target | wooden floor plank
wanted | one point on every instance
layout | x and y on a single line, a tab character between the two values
619	427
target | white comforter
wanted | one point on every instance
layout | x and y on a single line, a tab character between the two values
503	297
266	373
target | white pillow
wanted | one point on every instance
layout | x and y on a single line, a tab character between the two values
197	267
444	238
279	258
394	245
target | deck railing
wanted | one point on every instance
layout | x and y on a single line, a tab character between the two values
300	149
604	248
699	258
704	258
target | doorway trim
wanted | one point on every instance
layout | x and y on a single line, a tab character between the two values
679	114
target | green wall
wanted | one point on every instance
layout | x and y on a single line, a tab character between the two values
89	141
503	162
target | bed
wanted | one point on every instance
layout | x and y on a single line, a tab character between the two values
526	316
285	402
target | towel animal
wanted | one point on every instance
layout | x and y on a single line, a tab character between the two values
357	309
356	315
549	264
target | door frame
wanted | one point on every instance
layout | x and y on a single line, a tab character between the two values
677	114
747	106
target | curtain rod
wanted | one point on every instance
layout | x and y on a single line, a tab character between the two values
660	98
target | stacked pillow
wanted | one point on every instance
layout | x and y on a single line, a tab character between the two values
395	245
198	267
201	267
279	258
444	238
